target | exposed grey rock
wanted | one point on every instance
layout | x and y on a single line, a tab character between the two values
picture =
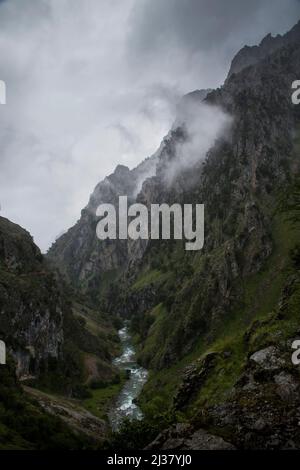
31	305
268	358
183	437
79	419
288	387
193	377
202	440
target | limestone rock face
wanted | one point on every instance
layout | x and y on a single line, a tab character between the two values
31	307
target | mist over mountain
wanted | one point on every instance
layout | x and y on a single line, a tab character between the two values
97	84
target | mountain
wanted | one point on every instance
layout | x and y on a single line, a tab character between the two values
38	321
252	55
31	304
86	263
214	327
56	342
89	265
238	184
24	424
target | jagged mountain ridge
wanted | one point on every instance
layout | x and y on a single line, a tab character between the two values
251	55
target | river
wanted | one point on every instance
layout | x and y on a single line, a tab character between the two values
124	406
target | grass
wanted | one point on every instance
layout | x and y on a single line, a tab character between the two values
106	280
263	289
155	333
91	324
98	404
102	399
23	422
149	277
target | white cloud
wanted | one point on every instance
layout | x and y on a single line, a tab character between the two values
75	109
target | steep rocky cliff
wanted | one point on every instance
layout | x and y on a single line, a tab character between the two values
43	330
31	306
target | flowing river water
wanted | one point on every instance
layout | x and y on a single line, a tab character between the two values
124	406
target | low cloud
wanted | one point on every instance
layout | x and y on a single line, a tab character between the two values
204	125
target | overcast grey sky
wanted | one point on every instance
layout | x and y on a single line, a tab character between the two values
94	83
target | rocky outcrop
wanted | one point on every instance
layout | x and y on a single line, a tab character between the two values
183	437
264	404
261	409
76	417
31	306
193	378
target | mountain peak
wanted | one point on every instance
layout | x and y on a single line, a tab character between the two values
121	169
250	55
